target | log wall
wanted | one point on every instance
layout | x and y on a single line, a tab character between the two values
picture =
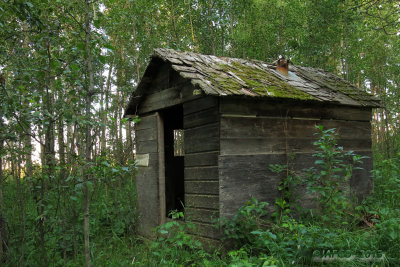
254	134
201	135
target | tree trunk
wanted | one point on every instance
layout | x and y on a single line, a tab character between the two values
173	17
103	141
21	204
386	128
210	5
2	220
121	140
88	139
48	157
117	151
62	176
27	142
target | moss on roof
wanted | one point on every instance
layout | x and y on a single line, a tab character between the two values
222	76
258	81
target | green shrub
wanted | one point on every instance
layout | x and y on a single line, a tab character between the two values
289	241
329	178
176	246
247	219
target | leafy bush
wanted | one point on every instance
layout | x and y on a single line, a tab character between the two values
112	213
289	241
247	219
387	183
329	178
175	246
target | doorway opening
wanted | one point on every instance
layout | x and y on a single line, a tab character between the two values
174	159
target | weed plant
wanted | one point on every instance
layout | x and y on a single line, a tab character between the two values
337	225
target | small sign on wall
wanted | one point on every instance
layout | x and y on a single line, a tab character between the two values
142	160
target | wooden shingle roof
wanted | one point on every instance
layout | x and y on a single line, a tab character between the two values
221	76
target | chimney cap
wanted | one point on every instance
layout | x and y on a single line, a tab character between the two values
282	65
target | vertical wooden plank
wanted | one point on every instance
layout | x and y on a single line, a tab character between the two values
147	184
161	168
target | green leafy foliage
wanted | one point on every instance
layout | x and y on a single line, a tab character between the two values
175	246
329	180
288	182
112	211
43	82
290	239
248	218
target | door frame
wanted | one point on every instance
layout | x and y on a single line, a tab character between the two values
161	168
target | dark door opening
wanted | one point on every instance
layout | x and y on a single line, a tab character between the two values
174	160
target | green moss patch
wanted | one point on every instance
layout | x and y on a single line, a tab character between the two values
260	82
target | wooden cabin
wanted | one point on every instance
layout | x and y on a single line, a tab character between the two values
210	126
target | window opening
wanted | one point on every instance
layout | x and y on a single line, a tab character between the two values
178	143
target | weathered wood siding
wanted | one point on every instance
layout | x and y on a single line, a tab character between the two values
201	134
167	89
147	182
254	134
201	125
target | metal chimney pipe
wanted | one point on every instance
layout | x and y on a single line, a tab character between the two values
283	66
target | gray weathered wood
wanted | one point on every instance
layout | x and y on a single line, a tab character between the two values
239	127
161	169
145	135
177	80
147	197
237	184
244	177
201	173
201	139
200	118
201	215
146	146
248	135
201	159
146	122
160	80
201	187
199	104
147	183
202	201
161	99
250	146
183	68
188	92
263	107
167	98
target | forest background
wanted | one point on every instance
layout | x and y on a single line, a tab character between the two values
67	69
